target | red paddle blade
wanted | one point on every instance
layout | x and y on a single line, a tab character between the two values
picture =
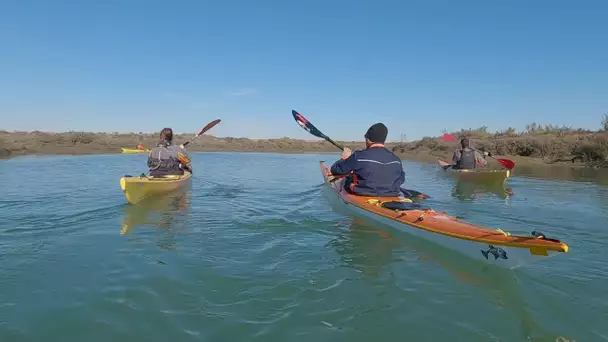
209	126
448	137
509	164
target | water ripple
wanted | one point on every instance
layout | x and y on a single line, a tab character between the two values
248	256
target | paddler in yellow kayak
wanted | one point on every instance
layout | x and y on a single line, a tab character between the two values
467	158
374	171
168	159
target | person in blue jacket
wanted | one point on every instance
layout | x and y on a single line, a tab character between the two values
374	171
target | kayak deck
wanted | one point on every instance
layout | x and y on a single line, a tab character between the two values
488	176
495	246
136	189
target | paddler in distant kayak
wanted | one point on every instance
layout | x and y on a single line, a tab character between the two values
467	158
374	171
166	158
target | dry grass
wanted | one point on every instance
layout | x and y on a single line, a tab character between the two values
550	144
547	144
21	143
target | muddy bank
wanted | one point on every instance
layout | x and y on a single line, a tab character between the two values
525	166
80	143
538	145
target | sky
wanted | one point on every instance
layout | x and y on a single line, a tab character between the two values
420	67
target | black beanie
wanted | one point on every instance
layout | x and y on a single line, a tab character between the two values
377	133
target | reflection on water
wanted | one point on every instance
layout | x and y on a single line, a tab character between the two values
158	211
562	172
371	251
365	248
468	191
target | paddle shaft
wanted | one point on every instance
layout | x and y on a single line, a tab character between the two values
205	129
304	123
334	143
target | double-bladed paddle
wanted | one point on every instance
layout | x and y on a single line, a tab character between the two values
304	123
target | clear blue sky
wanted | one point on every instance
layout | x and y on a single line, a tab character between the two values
420	67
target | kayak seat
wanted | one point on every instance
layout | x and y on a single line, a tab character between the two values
542	236
399	205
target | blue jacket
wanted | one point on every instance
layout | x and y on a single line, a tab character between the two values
378	172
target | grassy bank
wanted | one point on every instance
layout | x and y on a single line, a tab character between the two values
24	143
538	144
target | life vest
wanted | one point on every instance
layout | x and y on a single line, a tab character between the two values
164	160
467	160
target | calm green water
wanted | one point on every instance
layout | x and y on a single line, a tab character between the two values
252	252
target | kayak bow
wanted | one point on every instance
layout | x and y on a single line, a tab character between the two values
490	246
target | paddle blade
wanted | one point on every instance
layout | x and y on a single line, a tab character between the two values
448	137
304	123
509	164
409	193
209	126
205	129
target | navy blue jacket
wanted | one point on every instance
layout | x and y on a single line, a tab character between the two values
378	172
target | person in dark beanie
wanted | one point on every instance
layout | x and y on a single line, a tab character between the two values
374	171
166	158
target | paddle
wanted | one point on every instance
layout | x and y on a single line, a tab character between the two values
509	164
304	123
205	129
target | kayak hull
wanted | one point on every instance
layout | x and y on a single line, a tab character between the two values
136	189
483	176
489	246
132	150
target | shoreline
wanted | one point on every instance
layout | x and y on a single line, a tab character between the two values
525	166
14	144
310	147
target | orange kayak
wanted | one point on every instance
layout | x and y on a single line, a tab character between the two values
492	246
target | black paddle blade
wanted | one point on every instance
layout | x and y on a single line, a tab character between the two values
304	123
409	193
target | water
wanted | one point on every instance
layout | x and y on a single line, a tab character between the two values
252	252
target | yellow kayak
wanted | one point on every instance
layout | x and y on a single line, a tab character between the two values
132	150
138	188
479	175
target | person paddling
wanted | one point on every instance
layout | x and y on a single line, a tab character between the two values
467	158
168	159
374	171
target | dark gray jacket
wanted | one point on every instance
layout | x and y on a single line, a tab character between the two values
164	160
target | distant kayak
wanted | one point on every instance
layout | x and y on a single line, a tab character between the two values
479	175
132	150
491	246
141	187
